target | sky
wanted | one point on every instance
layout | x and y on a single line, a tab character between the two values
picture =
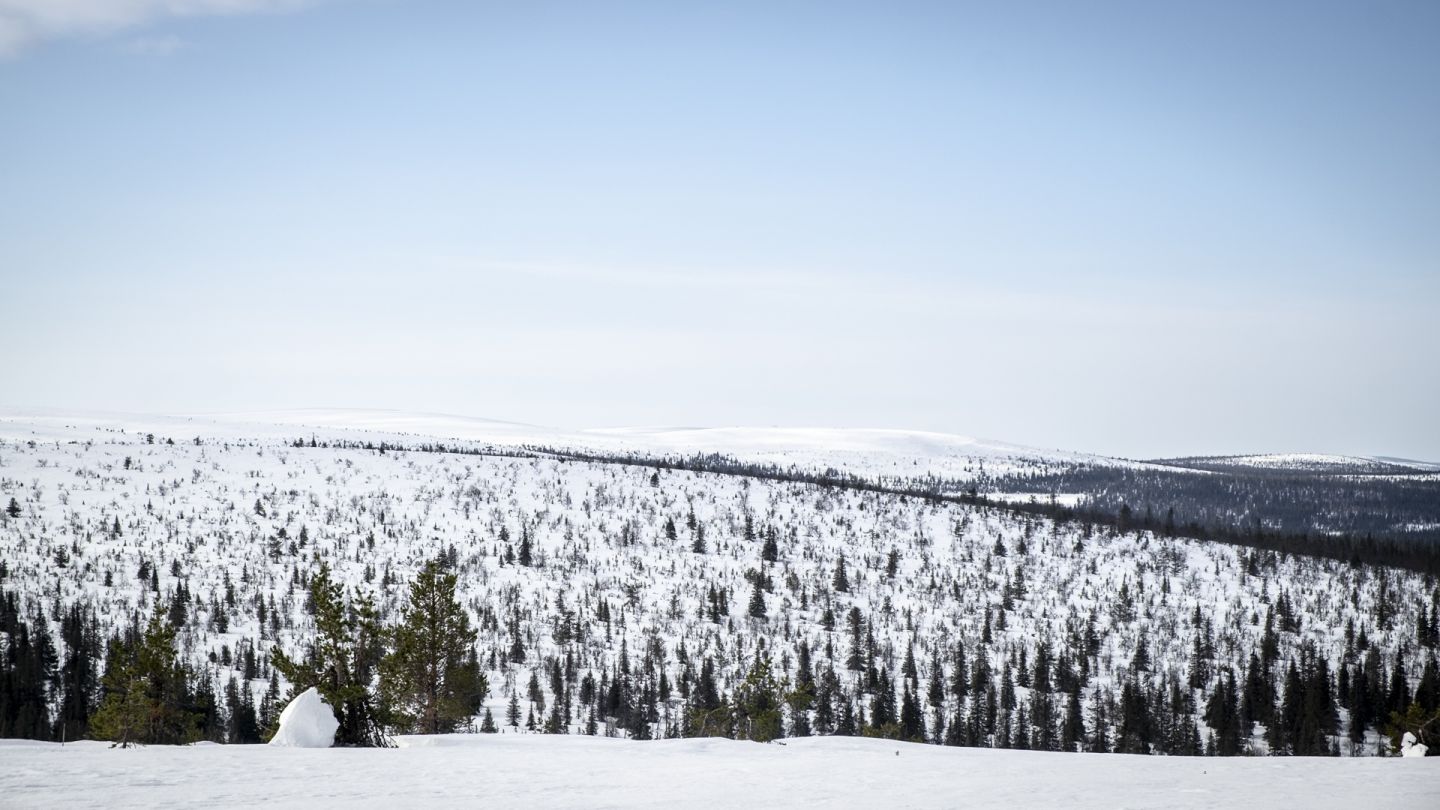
1134	228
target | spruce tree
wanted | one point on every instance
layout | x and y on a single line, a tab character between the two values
526	557
512	712
27	674
79	673
770	552
145	691
243	725
1223	714
1072	733
757	601
757	701
431	681
912	722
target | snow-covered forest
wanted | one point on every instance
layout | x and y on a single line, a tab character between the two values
628	601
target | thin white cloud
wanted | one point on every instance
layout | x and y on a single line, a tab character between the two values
154	46
656	277
26	22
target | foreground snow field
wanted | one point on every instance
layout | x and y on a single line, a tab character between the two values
510	770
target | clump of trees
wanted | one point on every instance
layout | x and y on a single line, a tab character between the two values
420	676
341	661
148	699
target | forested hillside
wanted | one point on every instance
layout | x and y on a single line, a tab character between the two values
623	599
1375	514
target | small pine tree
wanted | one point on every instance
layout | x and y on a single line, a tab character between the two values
431	680
526	557
757	703
512	712
757	601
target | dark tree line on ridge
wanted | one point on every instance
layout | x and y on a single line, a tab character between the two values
1259	509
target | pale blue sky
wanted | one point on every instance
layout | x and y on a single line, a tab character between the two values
1138	228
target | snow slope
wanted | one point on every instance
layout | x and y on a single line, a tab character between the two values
875	453
223	531
510	770
236	521
1321	463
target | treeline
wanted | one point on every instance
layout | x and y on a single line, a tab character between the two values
1411	554
147	693
1404	509
420	447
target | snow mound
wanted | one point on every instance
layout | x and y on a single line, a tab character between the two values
307	722
1410	748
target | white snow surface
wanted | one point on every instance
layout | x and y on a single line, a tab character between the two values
1320	462
1059	498
308	722
874	453
516	770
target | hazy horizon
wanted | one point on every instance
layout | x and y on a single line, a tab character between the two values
1125	228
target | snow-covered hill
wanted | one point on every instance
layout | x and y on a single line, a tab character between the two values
867	452
640	580
1317	463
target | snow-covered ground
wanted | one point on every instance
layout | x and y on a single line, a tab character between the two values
224	530
510	770
228	517
874	453
1313	463
1059	498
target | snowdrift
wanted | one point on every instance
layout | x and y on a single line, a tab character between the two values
307	722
